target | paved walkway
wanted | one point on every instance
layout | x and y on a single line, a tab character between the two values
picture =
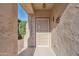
43	51
38	51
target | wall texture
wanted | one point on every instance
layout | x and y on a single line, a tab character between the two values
8	29
32	35
56	12
42	13
65	36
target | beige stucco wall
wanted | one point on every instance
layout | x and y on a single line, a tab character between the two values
32	36
65	36
56	12
42	13
8	29
58	9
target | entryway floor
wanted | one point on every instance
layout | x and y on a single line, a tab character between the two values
38	51
43	51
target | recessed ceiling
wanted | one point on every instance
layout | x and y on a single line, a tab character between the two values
42	6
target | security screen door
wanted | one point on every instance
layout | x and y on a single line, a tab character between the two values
42	32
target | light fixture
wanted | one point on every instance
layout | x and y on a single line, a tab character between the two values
44	5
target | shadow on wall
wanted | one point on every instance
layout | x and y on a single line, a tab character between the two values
32	37
55	19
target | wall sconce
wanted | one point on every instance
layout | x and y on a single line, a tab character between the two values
44	5
58	20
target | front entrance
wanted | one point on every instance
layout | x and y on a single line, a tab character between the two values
42	32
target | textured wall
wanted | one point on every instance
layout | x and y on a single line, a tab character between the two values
65	36
33	40
42	13
56	12
32	35
8	29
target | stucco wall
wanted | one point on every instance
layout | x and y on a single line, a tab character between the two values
42	13
32	35
65	36
56	12
8	29
58	9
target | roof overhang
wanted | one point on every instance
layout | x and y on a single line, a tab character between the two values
28	7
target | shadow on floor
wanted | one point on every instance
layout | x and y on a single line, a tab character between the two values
28	52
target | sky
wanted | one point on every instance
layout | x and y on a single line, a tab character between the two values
22	14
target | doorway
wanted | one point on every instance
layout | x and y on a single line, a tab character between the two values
42	32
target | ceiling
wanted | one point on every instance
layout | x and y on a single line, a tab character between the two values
42	6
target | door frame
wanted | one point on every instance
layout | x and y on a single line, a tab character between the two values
49	40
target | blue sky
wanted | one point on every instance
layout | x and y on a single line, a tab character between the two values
22	14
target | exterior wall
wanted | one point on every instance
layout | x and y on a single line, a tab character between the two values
42	13
32	36
65	36
8	29
58	9
33	32
56	12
